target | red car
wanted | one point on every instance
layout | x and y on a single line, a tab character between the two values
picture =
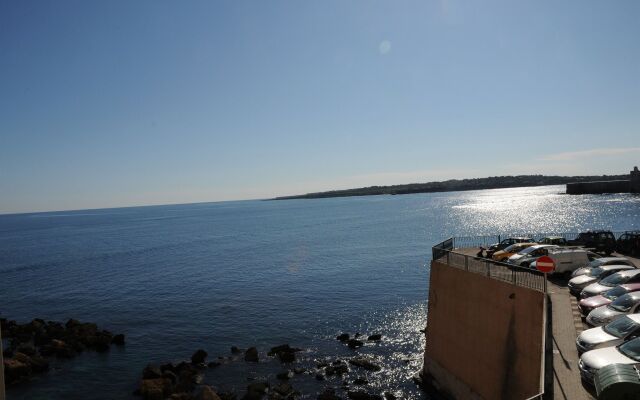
588	304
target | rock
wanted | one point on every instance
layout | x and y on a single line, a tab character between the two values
320	376
336	369
389	396
171	376
283	389
207	393
260	386
168	367
227	396
360	381
285	353
35	362
375	337
343	337
357	335
360	395
235	350
214	364
365	363
155	389
118	339
151	371
329	394
15	371
26	348
181	396
251	354
354	343
199	357
299	370
285	375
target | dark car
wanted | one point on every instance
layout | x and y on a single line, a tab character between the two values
629	243
506	243
600	241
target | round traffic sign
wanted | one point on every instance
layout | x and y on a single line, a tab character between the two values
545	264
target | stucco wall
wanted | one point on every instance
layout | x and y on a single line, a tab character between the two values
484	337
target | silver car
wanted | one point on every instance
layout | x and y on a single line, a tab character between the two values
599	262
611	281
625	304
592	361
612	334
595	274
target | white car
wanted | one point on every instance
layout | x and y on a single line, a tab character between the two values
580	282
534	251
611	281
612	334
599	262
626	304
592	361
566	259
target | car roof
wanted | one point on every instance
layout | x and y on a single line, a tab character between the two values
634	295
634	317
631	287
553	237
540	246
605	259
629	272
615	266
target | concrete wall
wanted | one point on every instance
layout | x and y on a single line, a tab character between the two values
484	337
596	187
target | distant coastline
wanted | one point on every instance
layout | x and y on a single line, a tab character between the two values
453	185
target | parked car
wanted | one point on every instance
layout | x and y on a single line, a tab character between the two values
524	257
506	243
612	334
591	361
601	241
566	260
629	243
586	305
613	280
595	274
504	254
557	240
625	304
598	262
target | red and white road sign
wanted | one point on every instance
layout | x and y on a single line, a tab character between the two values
545	264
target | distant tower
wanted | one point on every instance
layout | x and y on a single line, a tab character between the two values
635	180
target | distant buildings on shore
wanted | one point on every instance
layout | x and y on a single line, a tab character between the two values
631	185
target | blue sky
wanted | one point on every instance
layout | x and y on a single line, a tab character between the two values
118	103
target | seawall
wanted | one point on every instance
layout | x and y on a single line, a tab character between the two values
597	187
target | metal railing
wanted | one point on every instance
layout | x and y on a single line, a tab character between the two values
445	253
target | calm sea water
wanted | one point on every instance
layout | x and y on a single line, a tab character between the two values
182	277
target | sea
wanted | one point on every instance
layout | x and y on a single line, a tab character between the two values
178	278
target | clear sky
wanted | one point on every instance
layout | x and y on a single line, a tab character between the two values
117	103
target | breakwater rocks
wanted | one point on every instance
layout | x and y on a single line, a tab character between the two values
32	344
184	380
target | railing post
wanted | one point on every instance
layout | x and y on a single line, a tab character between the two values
448	256
488	268
466	262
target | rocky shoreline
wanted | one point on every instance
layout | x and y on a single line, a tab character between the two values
33	344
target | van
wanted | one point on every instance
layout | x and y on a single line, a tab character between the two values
567	260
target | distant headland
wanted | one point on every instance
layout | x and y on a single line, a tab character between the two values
453	185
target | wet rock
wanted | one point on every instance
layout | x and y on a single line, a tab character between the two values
320	377
171	376
375	337
118	339
167	367
207	393
181	396
343	337
360	381
285	353
357	335
35	362
227	396
283	389
235	350
285	375
251	354
256	390
214	364
336	369
151	371
199	357
322	363
155	389
26	348
15	371
389	396
355	343
329	394
360	395
365	363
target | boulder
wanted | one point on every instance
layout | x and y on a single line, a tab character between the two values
151	371
299	370
375	337
285	353
365	363
235	350
35	362
199	357
389	396
336	369
155	389
260	386
329	394
354	343
118	339
207	393
285	375
15	371
360	381
343	337
251	354
283	389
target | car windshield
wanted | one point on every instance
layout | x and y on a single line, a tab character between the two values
596	263
512	248
620	327
623	303
614	293
596	271
615	279
631	349
527	250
